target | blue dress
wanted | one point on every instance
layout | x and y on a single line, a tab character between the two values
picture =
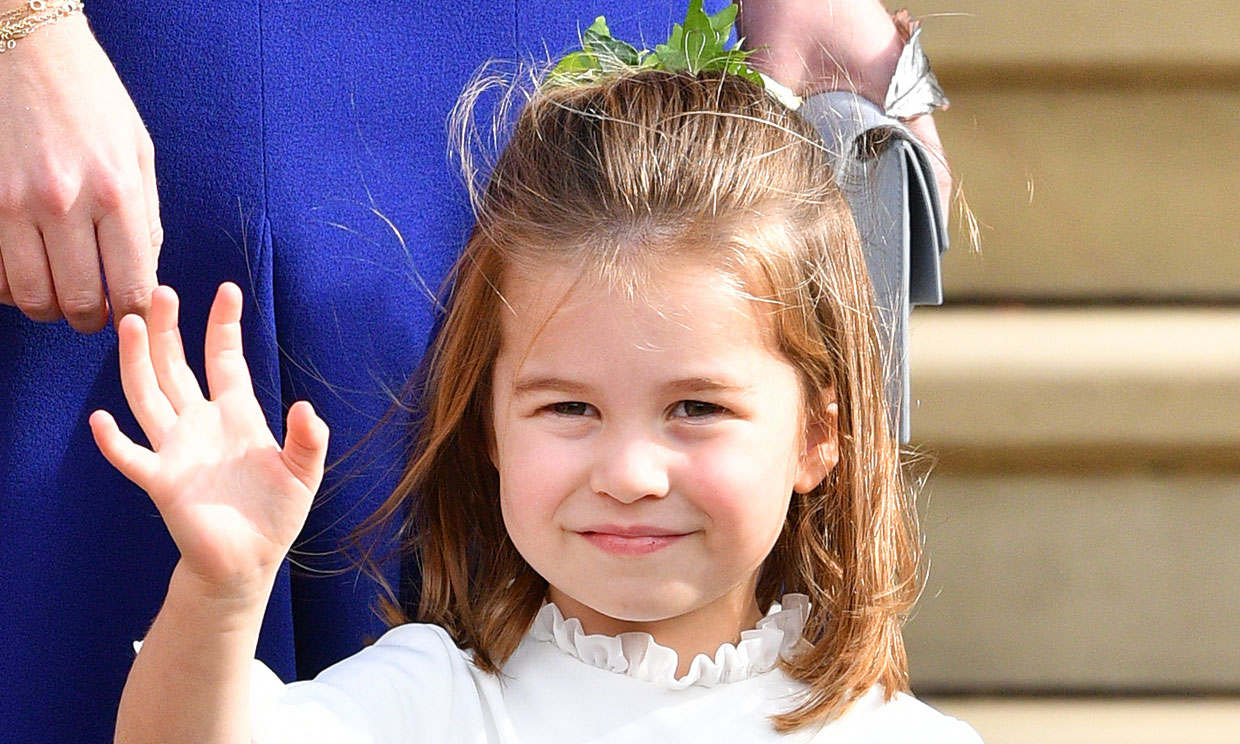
301	153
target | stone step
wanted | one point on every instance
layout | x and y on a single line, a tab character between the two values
979	34
1081	521
1095	143
1099	721
1032	384
1113	193
1088	582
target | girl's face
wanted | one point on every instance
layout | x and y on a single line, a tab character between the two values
647	449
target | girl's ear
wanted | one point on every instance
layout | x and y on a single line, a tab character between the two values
488	428
822	449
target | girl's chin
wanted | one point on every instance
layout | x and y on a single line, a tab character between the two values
614	612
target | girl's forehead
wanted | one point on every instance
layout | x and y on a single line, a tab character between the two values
683	303
675	290
655	278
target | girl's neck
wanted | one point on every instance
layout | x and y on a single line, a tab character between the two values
700	631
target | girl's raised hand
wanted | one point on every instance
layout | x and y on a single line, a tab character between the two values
233	499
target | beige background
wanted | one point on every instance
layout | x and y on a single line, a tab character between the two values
1080	389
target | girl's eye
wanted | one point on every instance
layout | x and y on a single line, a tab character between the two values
571	408
696	409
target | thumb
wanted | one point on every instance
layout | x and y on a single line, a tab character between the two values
305	444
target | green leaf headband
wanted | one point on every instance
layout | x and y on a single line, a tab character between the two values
695	46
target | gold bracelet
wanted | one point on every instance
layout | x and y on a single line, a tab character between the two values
19	22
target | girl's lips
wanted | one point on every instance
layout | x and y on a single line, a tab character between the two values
631	542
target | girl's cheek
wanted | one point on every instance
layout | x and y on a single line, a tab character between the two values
739	489
723	486
535	460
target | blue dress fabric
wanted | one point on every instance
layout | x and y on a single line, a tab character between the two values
301	153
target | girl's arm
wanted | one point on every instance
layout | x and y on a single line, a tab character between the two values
191	681
234	501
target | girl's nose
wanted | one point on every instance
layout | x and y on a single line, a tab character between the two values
629	469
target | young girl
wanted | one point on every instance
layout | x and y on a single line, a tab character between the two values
654	495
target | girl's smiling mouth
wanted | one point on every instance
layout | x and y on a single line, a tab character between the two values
631	540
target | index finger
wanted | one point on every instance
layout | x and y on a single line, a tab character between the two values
128	257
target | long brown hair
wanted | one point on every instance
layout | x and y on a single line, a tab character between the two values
603	177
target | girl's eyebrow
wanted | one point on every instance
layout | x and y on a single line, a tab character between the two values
528	385
542	384
704	384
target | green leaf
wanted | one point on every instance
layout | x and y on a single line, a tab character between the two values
599	28
722	21
697	20
698	50
697	44
650	61
598	40
669	52
573	68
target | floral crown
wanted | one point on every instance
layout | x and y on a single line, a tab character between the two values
696	45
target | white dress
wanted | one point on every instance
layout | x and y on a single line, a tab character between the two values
562	686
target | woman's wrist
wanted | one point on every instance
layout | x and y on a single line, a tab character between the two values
47	42
814	47
25	24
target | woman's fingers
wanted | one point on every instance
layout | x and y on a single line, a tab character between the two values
125	246
136	463
175	377
75	272
146	164
148	402
71	140
225	362
26	271
305	444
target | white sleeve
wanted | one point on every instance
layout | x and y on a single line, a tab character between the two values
906	719
412	685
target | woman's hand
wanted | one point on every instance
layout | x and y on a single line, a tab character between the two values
77	182
233	499
813	46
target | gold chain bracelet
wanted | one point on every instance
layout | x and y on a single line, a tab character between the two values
19	22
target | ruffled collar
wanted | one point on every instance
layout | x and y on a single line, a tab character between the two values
637	654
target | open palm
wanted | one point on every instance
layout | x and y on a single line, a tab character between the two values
233	499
